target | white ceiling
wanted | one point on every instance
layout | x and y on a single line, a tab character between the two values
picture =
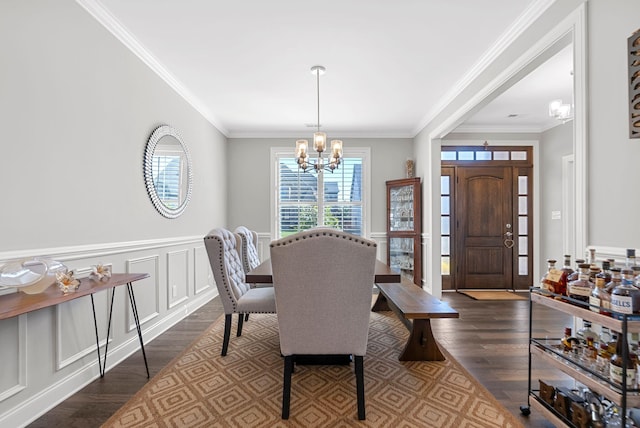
390	65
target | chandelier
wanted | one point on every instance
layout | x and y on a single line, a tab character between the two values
319	141
560	111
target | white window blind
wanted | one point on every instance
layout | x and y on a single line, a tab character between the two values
308	199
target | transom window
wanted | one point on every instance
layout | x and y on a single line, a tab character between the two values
307	199
483	154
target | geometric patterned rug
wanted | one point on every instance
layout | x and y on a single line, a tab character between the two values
199	388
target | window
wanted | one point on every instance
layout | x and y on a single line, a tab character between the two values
167	177
305	200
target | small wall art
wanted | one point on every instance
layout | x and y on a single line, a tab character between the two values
633	57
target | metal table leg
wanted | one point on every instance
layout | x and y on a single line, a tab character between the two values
103	365
134	308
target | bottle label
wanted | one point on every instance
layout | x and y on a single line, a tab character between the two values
554	275
615	374
594	303
600	282
579	291
622	304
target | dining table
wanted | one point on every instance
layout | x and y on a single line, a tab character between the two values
262	274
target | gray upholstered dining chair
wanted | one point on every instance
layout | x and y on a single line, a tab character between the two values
323	281
249	248
236	295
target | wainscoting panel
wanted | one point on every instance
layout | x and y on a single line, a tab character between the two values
381	240
203	277
13	355
146	291
177	277
75	328
50	353
426	255
264	239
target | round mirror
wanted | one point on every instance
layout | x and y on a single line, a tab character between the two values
167	171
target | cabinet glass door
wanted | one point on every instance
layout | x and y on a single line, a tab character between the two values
401	208
401	256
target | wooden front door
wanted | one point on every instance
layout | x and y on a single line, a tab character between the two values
484	225
486	217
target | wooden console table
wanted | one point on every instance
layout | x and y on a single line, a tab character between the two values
14	304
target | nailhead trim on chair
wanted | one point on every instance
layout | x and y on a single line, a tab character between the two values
221	241
227	288
323	233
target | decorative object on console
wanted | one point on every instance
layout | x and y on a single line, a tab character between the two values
100	272
410	169
633	58
319	141
168	171
66	281
31	276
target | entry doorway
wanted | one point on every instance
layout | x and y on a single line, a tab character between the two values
487	217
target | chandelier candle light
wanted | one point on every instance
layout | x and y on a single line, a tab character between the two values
560	111
319	141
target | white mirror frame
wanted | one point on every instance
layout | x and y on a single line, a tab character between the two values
154	139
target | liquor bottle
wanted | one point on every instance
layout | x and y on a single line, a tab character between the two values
616	278
600	299
551	281
589	352
636	276
618	361
625	297
576	272
605	273
631	258
568	342
586	333
567	270
580	289
602	361
591	257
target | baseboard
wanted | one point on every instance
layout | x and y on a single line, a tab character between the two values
37	405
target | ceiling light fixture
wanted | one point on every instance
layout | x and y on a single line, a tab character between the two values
319	141
560	111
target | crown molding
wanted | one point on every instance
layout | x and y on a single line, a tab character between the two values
498	129
524	21
96	9
297	134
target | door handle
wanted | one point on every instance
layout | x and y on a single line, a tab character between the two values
508	242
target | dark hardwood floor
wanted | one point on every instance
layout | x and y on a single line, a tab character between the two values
489	340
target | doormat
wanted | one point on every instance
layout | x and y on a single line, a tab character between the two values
493	295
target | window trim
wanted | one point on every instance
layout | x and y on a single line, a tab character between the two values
287	152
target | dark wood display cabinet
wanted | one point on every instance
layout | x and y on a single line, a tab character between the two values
404	228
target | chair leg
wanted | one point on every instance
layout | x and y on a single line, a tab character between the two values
286	386
246	317
360	386
240	319
227	333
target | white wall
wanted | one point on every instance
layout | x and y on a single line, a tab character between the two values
613	156
555	143
77	109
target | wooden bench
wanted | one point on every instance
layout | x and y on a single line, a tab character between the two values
415	308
